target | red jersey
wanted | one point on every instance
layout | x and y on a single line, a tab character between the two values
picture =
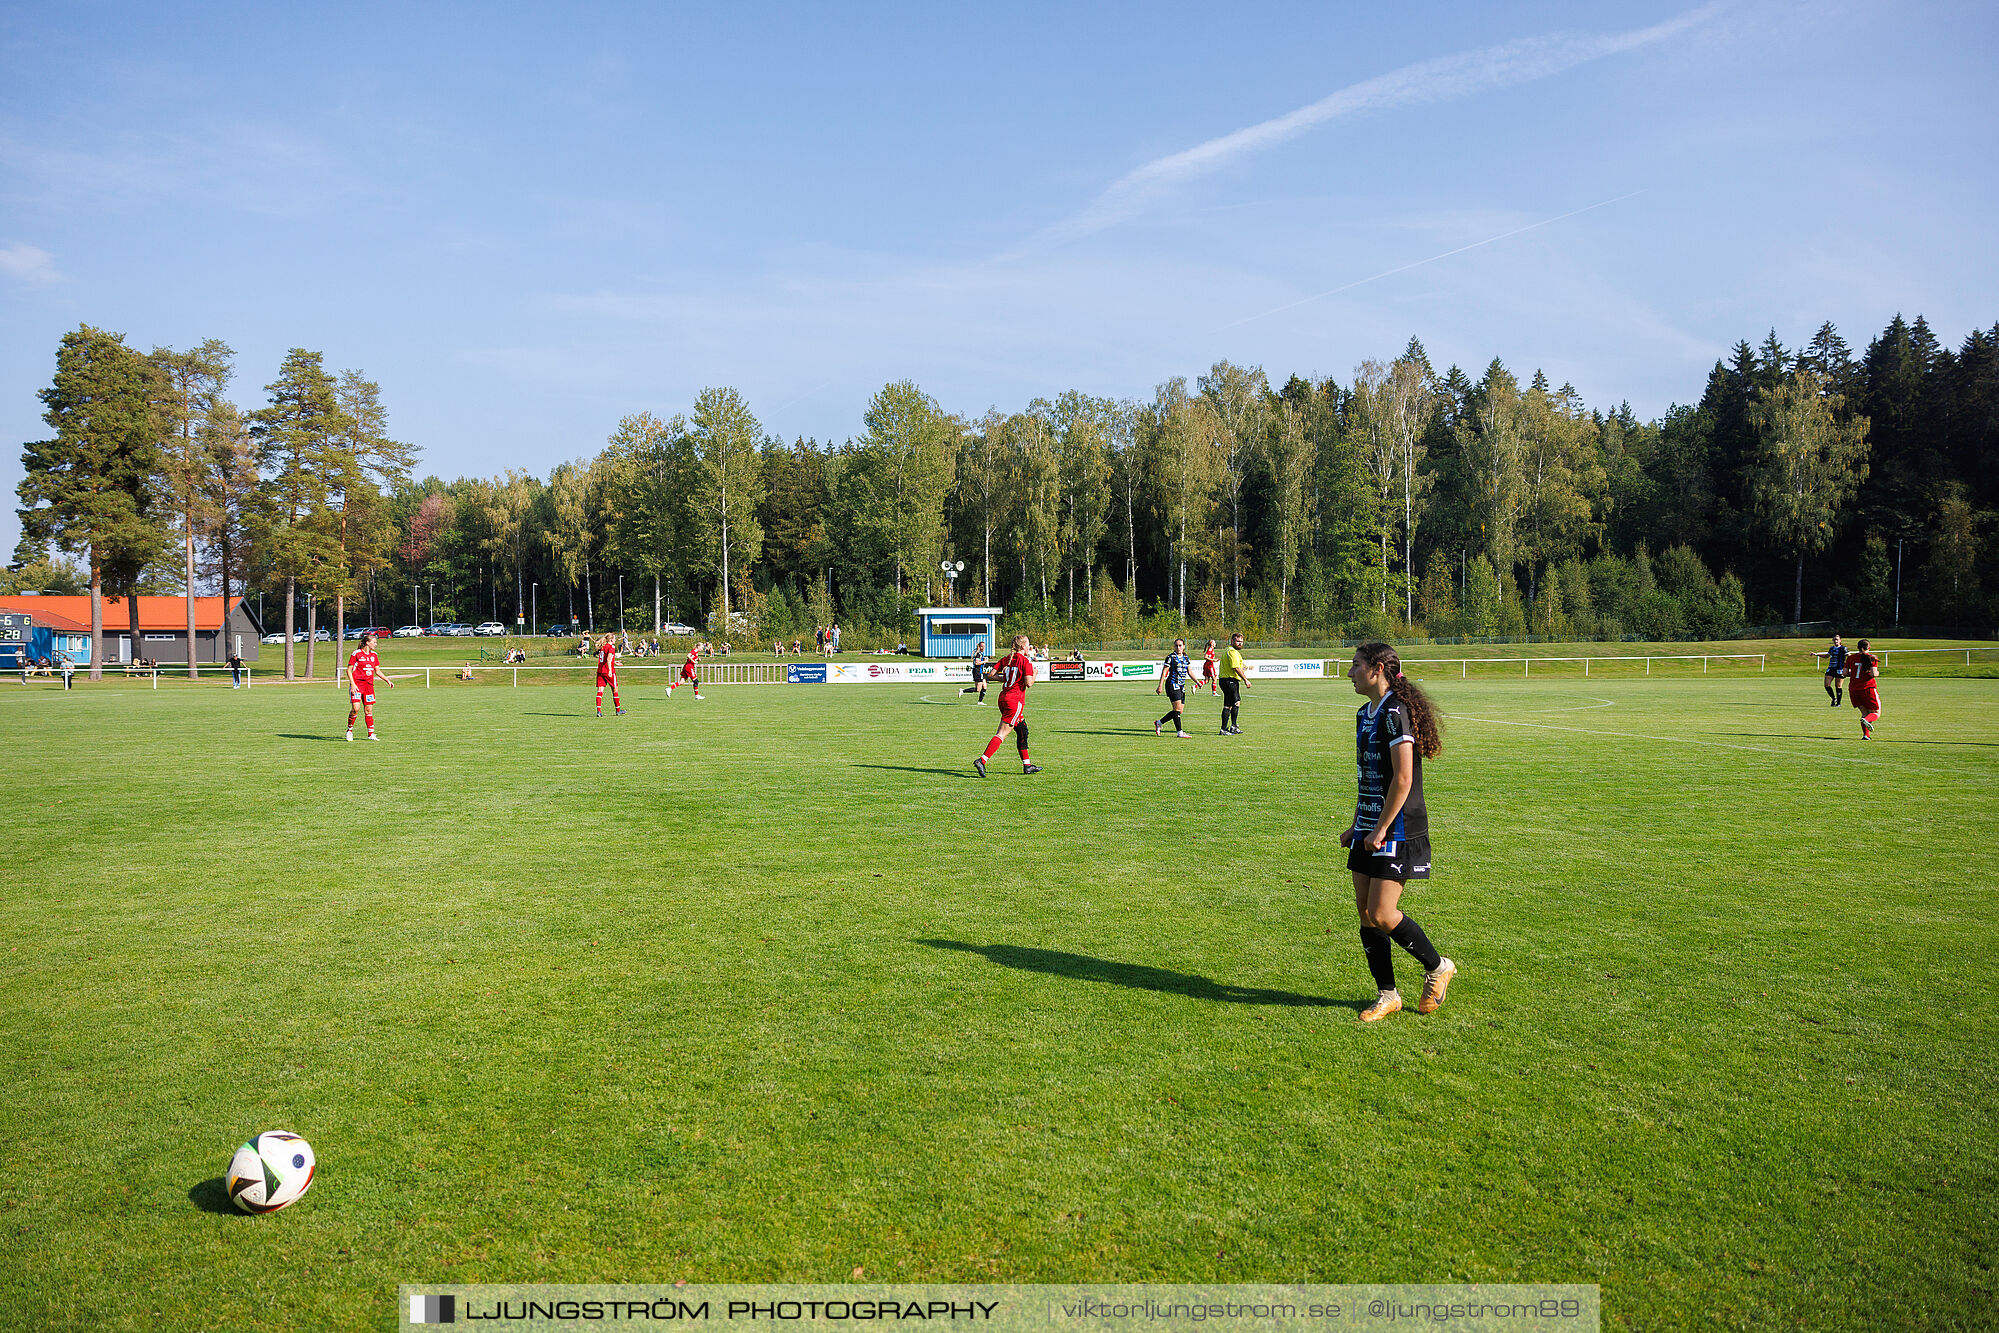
363	666
1861	670
1016	673
607	660
693	659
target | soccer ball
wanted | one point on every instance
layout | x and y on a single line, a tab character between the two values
271	1170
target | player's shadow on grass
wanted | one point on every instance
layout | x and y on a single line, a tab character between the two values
1082	967
212	1196
935	772
301	736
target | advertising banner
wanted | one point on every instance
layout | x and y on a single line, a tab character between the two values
905	672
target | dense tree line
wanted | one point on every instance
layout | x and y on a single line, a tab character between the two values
1401	501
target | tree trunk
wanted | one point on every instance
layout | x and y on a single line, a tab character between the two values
291	626
339	632
1798	600
96	618
193	668
657	624
311	635
589	598
1384	571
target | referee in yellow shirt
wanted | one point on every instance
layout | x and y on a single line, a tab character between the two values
1235	679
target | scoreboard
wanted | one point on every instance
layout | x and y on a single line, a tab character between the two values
17	632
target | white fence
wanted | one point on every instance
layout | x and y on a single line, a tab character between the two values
1464	664
712	673
1884	654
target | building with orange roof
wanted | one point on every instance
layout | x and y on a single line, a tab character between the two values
221	626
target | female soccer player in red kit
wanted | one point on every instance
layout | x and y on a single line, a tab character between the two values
363	670
1015	672
1863	691
607	674
690	672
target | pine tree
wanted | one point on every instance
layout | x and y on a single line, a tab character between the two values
195	381
298	452
90	490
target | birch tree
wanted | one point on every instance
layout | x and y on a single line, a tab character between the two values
1809	461
1239	397
1287	454
726	486
1410	401
1370	422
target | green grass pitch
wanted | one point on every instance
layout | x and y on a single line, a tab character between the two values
770	986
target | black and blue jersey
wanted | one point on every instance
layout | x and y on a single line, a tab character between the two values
1835	660
1378	729
1178	669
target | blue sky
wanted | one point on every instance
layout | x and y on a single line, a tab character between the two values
526	222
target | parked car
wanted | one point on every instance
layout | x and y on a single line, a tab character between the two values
490	629
562	631
407	632
460	631
684	631
279	637
438	629
354	632
322	636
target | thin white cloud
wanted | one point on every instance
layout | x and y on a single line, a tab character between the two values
28	263
1446	78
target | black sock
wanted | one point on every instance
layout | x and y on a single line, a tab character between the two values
1411	937
1380	958
1171	717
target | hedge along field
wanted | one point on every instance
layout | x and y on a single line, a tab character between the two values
770	986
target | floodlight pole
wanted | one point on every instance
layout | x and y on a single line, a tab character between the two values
534	616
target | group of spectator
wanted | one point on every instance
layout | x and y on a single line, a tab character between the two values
828	638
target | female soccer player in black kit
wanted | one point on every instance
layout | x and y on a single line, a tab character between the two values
1395	731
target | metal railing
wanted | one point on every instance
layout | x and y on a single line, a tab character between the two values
712	673
1464	664
1885	653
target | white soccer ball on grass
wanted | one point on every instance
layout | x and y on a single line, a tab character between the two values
270	1171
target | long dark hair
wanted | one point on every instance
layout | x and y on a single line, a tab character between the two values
1423	713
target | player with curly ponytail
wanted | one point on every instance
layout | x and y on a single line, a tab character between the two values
1395	731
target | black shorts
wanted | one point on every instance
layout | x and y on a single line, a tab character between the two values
1231	691
1402	861
1176	694
978	673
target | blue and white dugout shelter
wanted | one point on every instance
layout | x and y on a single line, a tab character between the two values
951	631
